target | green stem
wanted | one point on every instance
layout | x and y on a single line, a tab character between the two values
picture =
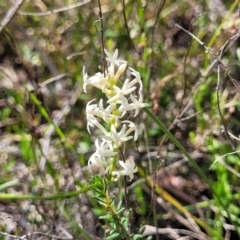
50	197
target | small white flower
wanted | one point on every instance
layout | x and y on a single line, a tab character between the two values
120	71
135	105
106	113
98	81
91	119
129	168
123	104
138	103
118	137
85	77
137	79
121	92
112	59
131	127
104	149
95	162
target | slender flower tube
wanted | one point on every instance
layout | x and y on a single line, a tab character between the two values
108	116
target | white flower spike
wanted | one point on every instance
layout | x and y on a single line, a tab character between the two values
108	116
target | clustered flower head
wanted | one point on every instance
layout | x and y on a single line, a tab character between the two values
121	98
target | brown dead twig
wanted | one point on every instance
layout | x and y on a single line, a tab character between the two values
218	60
150	230
159	9
57	10
126	26
10	14
101	37
34	234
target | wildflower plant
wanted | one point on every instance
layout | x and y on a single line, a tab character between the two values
109	116
118	223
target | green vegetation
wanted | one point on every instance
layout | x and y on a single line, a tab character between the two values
187	152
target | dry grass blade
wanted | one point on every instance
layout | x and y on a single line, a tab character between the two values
10	14
150	230
62	9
